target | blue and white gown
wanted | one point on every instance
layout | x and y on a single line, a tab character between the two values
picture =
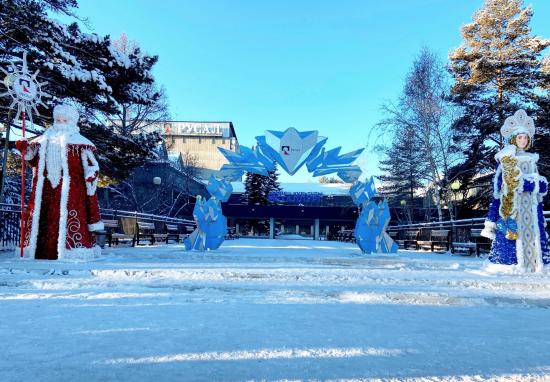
530	250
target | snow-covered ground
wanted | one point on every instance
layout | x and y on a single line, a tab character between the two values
271	310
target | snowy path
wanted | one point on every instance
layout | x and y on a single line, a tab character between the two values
271	310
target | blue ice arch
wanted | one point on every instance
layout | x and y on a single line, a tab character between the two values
291	150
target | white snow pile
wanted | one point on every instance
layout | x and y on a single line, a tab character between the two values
272	310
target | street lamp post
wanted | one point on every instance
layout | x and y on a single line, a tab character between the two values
455	186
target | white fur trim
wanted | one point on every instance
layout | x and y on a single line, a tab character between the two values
31	249
63	213
496	192
507	150
96	226
30	153
541	195
91	169
489	230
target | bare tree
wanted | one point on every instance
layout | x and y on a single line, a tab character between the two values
423	108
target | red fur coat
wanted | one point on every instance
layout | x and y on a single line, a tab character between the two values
63	211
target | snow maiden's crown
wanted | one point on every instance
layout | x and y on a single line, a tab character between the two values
519	123
68	112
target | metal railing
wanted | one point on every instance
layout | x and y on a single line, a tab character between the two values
10	217
459	228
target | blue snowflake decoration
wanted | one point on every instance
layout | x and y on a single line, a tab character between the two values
220	189
370	229
291	149
362	192
211	225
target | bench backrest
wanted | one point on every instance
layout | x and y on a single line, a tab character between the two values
145	226
110	223
411	234
440	233
475	232
171	228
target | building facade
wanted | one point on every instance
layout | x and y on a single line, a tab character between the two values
299	210
200	140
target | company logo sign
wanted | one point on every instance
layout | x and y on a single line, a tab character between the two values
213	129
294	197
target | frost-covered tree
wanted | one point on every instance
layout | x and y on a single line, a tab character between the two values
139	104
82	68
496	71
327	180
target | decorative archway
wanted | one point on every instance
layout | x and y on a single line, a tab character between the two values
291	149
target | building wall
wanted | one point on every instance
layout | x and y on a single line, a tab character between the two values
205	148
201	139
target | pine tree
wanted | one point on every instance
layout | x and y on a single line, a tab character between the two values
404	169
81	68
496	71
255	188
272	183
258	187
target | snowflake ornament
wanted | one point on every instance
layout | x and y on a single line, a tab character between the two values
23	88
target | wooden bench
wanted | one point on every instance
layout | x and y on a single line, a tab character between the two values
430	238
481	242
411	238
462	242
173	233
112	235
147	231
395	237
441	238
231	234
475	243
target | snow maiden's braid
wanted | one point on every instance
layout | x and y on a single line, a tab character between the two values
511	175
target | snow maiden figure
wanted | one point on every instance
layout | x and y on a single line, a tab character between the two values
515	221
63	210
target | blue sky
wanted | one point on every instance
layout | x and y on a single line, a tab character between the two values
268	65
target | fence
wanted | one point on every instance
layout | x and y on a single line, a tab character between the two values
10	215
459	228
